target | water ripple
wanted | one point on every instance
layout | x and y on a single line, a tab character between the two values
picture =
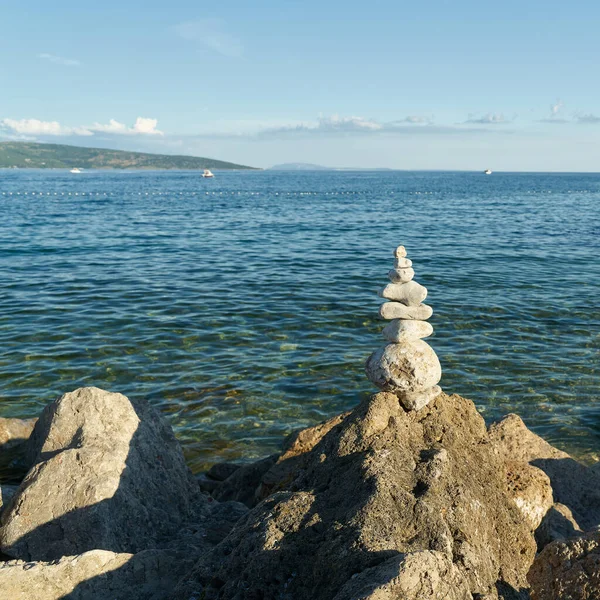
245	307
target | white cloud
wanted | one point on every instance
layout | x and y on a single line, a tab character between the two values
337	125
487	119
146	126
29	127
211	33
416	120
37	127
59	60
142	126
112	127
556	108
555	114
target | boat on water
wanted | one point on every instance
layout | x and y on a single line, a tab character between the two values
207	173
488	171
76	170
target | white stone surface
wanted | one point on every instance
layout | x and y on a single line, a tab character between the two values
400	252
402	263
397	310
408	367
401	275
400	330
410	293
417	400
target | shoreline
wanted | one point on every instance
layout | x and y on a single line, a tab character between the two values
531	495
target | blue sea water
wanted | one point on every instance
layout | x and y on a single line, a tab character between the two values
244	307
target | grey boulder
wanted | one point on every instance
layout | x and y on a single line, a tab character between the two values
107	474
409	367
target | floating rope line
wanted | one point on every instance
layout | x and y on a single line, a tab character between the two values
292	194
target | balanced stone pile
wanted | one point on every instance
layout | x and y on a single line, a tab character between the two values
407	366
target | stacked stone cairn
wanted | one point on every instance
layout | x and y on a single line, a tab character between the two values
406	366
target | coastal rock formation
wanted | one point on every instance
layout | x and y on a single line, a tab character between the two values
407	366
575	487
97	574
568	569
379	503
385	504
107	474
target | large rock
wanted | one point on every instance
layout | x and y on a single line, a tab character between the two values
530	490
108	474
97	574
409	367
388	504
574	485
568	570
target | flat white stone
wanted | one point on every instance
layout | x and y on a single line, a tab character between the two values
402	263
399	330
410	293
410	367
418	400
401	275
397	310
400	252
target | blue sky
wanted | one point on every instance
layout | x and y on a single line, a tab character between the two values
414	85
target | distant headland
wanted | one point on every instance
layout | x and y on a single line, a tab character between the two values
312	167
26	155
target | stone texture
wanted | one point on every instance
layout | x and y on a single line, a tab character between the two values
511	440
397	310
567	570
402	263
388	504
418	400
409	367
97	574
420	575
107	474
573	484
402	330
530	490
401	275
558	524
294	455
410	293
400	252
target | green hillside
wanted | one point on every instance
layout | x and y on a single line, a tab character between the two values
55	156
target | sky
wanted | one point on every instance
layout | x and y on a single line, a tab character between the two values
434	84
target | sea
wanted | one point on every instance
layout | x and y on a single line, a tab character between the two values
244	307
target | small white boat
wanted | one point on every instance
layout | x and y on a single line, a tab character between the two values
207	173
488	171
76	170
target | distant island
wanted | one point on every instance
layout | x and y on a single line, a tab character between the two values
311	167
26	155
299	167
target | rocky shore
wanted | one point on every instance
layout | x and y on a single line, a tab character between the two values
378	503
409	496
